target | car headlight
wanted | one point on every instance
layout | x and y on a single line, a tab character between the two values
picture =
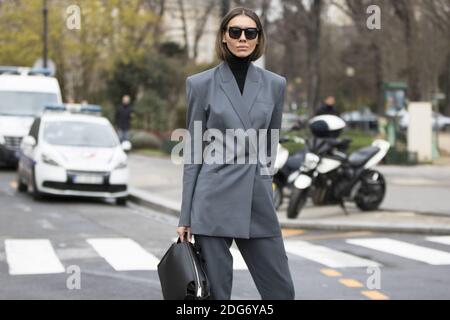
48	160
121	165
311	161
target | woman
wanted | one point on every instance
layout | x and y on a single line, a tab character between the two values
223	201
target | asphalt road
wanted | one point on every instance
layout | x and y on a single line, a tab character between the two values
116	250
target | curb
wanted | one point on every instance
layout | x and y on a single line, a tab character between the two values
361	226
172	208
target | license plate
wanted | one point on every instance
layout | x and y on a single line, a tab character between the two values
88	179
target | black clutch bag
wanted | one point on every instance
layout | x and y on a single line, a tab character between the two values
181	273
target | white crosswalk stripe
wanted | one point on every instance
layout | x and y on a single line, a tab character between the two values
31	256
238	260
37	256
405	250
326	256
124	254
440	239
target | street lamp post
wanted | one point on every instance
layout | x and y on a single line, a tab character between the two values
45	33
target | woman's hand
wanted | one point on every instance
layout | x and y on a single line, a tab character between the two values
182	230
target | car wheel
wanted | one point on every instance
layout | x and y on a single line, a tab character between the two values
21	187
121	201
36	194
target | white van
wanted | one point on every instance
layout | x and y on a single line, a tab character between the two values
24	92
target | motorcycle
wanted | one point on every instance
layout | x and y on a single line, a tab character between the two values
329	176
285	165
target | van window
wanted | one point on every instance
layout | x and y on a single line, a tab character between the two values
22	103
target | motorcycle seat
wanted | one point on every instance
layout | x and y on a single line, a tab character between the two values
295	161
361	157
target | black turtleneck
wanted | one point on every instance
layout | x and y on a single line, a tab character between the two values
239	67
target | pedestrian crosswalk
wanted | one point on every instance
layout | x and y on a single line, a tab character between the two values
124	254
405	250
326	256
35	256
443	240
38	256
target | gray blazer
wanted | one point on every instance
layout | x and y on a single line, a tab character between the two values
229	199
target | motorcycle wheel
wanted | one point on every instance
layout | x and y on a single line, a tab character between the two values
277	194
372	191
296	202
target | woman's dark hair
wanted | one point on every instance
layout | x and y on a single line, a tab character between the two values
222	52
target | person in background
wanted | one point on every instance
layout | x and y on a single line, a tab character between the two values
328	107
123	118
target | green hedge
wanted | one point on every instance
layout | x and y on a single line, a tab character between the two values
145	140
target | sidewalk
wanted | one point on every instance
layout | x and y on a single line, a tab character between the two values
418	199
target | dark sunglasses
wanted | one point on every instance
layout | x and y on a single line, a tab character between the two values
250	33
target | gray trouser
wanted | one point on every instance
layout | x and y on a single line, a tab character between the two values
123	135
266	260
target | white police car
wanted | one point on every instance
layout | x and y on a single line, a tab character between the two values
73	153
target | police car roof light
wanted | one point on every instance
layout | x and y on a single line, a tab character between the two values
27	71
84	108
9	70
55	107
40	71
91	108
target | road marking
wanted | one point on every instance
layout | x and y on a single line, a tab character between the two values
238	260
442	240
124	254
326	256
351	283
405	250
331	272
374	295
31	256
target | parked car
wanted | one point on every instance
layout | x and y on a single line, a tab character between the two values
363	119
73	154
439	121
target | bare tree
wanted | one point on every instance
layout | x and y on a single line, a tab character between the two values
304	19
405	11
200	24
159	8
194	14
356	10
438	11
184	26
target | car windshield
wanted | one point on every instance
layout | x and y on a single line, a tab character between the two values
21	103
80	134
